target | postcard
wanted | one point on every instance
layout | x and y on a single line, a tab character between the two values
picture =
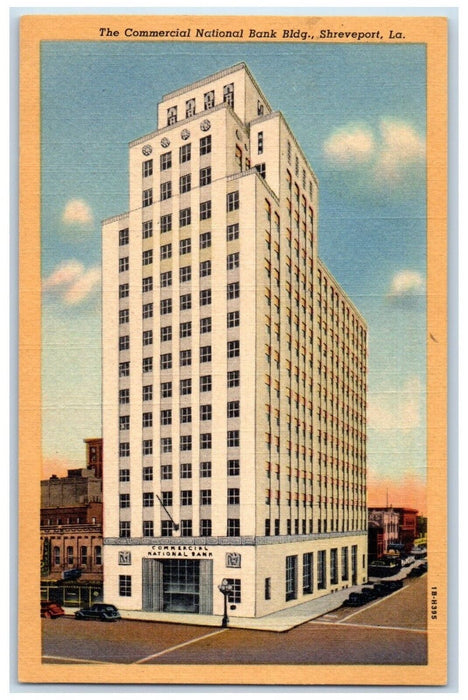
232	350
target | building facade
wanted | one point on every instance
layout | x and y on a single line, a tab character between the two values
383	531
234	370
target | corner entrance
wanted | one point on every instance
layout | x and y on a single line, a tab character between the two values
178	585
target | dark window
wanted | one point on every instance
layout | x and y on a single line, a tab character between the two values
291	578
233	527
124	236
165	161
148	528
125	585
124	528
186	528
205	469
147	229
205	383
205	210
205	145
205	528
205	176
232	201
147	167
166	223
205	325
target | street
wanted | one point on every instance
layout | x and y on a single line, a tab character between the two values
389	630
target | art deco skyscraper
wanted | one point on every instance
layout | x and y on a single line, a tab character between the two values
234	370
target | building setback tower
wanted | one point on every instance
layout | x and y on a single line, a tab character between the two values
234	370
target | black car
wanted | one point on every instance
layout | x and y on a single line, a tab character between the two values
355	600
370	592
99	611
392	586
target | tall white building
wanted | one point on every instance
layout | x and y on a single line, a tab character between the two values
234	370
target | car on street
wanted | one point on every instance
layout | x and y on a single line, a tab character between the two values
355	600
99	611
50	609
392	586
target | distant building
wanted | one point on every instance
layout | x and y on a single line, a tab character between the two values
405	519
383	531
94	455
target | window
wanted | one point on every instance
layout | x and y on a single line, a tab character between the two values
291	578
233	319
166	528
148	499
260	142
166	471
124	500
147	284
321	570
232	232
123	290
124	449
166	333
148	528
165	161
233	409
205	239
124	528
166	417
165	190
124	369
124	236
261	169
205	470
233	378
185	358
185	329
233	527
228	94
205	325
147	167
232	201
147	392
205	497
205	353
123	264
267	527
235	594
205	176
185	443
166	497
185	246
205	412
333	566
185	387
166	361
205	210
205	145
307	568
186	471
233	497
205	297
209	99
185	273
186	528
98	555
185	183
165	278
125	585
185	498
185	153
147	310
124	474
147	198
147	447
232	261
268	588
233	438
344	564
124	423
147	364
166	390
147	473
124	316
190	108
205	268
205	383
166	445
233	467
165	252
233	348
166	223
165	306
185	217
205	441
171	116
233	290
147	257
185	302
205	528
124	396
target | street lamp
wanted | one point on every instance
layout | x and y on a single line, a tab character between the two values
226	588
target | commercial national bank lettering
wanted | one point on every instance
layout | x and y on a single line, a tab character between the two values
180	551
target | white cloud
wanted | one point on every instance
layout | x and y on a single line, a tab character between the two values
406	284
72	282
77	211
401	148
354	144
397	410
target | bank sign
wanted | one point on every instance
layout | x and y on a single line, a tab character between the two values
180	551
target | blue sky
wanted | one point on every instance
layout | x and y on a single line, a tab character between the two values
359	113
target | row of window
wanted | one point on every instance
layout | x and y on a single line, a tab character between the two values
185	215
185	471
185	443
185	154
69	557
185	387
186	498
208	103
291	567
185	415
165	223
185	528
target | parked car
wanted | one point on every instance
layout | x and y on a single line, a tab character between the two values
99	611
392	586
355	600
370	592
51	609
381	589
